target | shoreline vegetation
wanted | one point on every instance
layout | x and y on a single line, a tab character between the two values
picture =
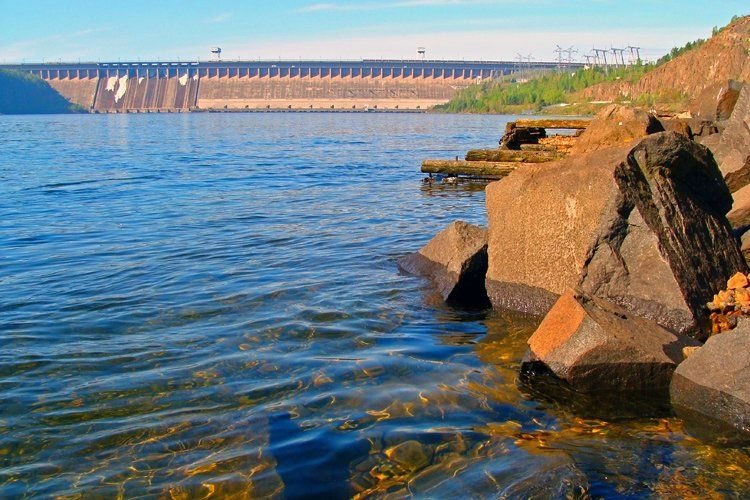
562	93
24	93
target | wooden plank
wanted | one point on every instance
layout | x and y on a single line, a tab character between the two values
556	124
510	155
470	168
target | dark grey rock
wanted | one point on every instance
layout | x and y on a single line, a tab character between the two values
652	256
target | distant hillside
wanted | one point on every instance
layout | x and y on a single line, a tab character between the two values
725	56
521	93
22	93
676	78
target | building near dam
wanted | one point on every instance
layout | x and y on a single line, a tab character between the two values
256	85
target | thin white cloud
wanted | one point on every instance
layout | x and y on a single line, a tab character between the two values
485	44
219	18
52	47
330	6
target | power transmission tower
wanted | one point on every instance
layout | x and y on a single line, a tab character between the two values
621	52
588	58
603	53
570	51
635	54
559	51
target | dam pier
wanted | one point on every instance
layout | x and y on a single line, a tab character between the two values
118	87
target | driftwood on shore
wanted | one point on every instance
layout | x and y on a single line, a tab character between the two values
552	123
487	169
509	155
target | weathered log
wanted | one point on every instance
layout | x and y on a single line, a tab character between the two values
470	168
555	124
512	155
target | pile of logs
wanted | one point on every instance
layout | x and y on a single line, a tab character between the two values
524	142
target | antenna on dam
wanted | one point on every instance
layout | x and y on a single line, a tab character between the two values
217	52
421	51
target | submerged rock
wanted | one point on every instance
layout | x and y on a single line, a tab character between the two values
714	382
596	346
456	260
631	225
616	125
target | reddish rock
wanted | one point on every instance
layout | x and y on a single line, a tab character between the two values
616	125
632	225
677	125
738	280
716	102
456	260
596	346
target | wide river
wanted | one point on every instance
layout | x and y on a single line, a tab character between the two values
197	305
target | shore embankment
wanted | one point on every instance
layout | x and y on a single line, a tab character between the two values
622	246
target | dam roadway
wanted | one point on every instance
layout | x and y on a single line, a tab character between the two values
256	85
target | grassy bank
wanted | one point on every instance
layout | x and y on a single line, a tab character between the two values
23	93
534	92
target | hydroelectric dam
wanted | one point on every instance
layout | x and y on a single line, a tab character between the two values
118	87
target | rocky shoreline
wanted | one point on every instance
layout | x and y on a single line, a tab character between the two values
632	250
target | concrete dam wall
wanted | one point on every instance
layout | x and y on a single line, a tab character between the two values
248	85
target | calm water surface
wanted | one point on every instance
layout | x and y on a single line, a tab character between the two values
208	305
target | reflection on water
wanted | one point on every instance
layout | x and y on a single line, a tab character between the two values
197	306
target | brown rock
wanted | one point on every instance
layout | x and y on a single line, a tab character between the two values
515	136
739	215
616	125
716	102
411	455
739	178
733	146
714	383
632	225
596	346
456	260
738	280
719	323
745	245
742	296
726	297
689	351
677	125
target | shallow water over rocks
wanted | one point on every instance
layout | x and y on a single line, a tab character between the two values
208	304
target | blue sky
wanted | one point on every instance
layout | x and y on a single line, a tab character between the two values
72	30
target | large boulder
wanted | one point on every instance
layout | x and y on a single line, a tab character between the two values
642	226
739	215
456	260
596	346
714	382
732	148
716	102
616	125
679	125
